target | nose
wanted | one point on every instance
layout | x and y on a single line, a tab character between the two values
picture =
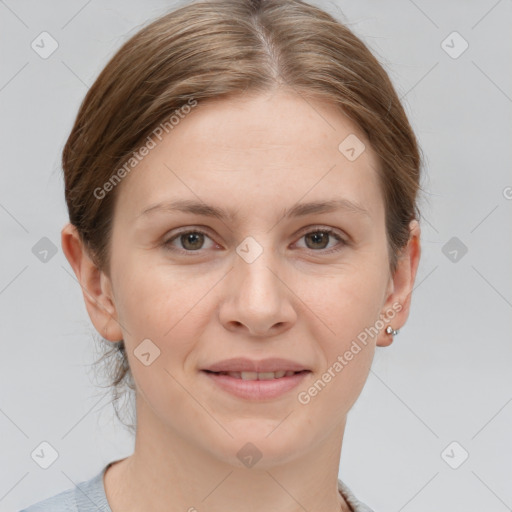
257	299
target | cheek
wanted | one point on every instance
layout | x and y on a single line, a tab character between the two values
349	306
347	300
161	304
153	296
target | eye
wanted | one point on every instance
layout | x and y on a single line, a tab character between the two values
193	240
190	241
317	240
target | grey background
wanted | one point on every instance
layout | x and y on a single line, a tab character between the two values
447	375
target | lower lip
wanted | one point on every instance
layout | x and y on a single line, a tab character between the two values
257	389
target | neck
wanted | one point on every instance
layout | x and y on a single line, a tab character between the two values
166	472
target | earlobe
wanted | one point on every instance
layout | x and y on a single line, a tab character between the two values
397	304
95	286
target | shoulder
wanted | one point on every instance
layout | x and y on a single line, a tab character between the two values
355	504
62	502
87	496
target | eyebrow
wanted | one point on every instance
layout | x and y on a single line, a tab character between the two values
298	210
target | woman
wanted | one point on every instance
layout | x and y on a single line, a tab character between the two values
241	181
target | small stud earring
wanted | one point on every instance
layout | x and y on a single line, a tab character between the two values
391	331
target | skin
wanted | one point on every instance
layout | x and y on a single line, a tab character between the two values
255	155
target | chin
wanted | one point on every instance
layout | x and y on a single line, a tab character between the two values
259	444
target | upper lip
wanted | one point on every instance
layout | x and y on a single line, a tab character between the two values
242	364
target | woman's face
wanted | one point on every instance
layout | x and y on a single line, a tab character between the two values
265	281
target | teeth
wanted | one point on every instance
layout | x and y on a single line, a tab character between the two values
266	376
259	376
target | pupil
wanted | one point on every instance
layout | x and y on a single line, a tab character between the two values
191	238
319	237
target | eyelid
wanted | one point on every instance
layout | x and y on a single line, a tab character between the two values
342	238
189	229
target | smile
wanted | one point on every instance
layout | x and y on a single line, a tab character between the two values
256	385
258	376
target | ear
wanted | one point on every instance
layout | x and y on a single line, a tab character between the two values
96	285
398	301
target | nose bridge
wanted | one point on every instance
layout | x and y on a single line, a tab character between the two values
254	268
255	296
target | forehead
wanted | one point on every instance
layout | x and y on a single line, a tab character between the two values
260	152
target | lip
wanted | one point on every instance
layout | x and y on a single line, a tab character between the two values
256	389
242	364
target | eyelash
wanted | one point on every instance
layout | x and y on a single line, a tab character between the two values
328	231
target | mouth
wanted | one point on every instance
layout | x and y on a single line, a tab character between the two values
259	375
256	386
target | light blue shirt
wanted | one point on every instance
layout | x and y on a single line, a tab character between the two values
90	496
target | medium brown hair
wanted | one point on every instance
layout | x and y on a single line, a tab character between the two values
215	49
